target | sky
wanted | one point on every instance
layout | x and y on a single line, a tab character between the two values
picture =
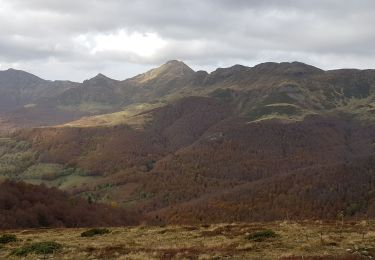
77	39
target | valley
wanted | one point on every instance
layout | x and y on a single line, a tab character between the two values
245	144
187	130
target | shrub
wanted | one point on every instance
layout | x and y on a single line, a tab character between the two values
40	248
262	235
95	231
7	238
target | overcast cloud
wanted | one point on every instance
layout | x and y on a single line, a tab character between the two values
76	39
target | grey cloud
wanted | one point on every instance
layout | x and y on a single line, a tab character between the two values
205	33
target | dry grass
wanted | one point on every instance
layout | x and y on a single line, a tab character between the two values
310	240
131	115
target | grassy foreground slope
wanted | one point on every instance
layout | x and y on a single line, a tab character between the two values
277	240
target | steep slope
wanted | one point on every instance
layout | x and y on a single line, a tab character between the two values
168	74
98	94
23	100
19	88
31	101
169	79
102	94
164	130
318	192
15	88
309	169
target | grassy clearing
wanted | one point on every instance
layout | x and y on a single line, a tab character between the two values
128	116
18	161
220	241
88	107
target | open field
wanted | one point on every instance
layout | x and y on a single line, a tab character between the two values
277	240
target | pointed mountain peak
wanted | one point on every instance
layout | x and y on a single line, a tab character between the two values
11	70
13	75
100	79
100	76
174	65
174	62
168	71
18	72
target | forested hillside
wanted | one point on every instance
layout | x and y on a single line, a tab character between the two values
273	141
29	206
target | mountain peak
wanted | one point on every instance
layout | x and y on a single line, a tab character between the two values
175	64
100	75
169	70
99	79
19	72
18	77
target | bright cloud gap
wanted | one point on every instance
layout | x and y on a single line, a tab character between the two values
135	43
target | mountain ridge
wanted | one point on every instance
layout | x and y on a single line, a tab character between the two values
178	62
174	80
181	146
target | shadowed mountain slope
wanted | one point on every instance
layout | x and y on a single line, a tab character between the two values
19	88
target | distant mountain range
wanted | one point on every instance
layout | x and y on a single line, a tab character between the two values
273	141
292	89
